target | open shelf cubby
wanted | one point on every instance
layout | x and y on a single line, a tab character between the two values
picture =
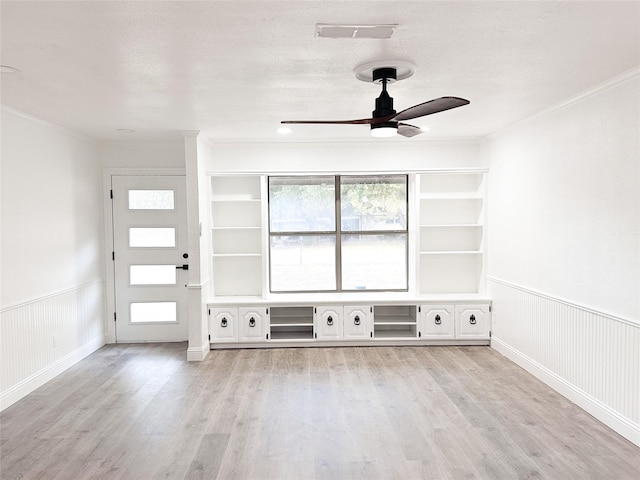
291	323
394	321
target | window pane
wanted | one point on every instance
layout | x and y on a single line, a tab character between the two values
373	203
152	274
374	262
152	237
153	312
151	200
302	204
303	263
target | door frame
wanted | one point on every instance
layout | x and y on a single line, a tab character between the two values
107	173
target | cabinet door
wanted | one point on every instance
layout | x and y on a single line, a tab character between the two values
436	321
328	320
357	322
473	322
253	324
223	324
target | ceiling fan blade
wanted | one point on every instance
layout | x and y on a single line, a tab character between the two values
432	106
360	121
407	130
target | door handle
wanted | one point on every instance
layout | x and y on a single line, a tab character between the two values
182	267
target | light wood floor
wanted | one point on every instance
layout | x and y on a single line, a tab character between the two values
139	412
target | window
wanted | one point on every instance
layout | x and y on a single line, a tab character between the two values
338	233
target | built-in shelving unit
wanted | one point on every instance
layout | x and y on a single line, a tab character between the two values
236	235
451	237
445	303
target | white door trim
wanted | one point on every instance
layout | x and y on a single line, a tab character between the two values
107	173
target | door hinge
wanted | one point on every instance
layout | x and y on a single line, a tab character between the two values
111	194
419	309
114	316
489	308
209	337
489	333
113	256
209	311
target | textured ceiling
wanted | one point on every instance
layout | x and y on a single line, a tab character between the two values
234	69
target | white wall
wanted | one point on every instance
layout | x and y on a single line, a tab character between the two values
142	155
377	155
564	248
51	252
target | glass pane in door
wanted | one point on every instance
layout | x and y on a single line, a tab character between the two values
154	312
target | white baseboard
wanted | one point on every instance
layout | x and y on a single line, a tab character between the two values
622	425
35	381
197	354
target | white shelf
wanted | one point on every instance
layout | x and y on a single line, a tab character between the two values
452	252
451	196
233	199
276	325
376	324
236	241
258	229
292	336
451	225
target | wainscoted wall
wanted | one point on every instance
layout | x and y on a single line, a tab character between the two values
590	357
41	338
563	257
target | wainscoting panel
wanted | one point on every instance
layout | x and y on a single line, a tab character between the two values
43	337
591	357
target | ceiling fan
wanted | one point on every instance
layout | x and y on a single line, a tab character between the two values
385	121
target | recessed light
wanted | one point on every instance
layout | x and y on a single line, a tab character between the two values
425	129
284	130
125	130
8	69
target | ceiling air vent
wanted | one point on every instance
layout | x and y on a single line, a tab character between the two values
324	30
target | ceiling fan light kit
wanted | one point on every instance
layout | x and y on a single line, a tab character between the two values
385	122
386	129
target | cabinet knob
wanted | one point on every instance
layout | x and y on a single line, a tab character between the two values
329	320
472	319
438	320
252	322
356	320
223	323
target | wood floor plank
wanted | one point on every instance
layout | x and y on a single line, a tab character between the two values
143	412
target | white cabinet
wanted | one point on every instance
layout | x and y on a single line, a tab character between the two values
253	322
466	322
436	322
236	235
223	324
473	322
451	233
328	321
357	322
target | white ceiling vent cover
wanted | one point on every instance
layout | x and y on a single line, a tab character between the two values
325	30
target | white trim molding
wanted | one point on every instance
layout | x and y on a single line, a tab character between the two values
197	354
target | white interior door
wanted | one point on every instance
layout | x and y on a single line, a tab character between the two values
150	258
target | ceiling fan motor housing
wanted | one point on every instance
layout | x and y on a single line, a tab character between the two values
384	103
